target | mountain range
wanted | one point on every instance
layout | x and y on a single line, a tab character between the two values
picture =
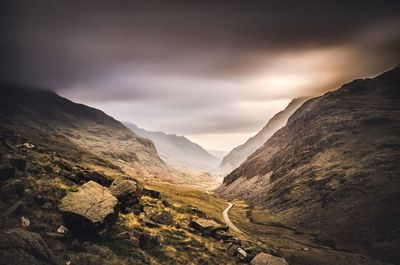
178	151
333	169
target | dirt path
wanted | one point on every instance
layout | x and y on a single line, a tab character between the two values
228	221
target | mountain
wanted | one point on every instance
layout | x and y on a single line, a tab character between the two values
78	187
333	170
178	151
58	123
239	154
219	154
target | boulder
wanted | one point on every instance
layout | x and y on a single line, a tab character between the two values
21	247
164	218
152	193
89	175
149	241
222	235
242	255
18	163
90	210
267	259
233	249
207	226
128	193
6	173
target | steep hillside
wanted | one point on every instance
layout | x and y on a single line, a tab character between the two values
333	170
178	151
39	112
239	154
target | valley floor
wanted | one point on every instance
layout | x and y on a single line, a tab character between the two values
296	247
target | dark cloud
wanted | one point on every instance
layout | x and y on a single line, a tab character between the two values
200	59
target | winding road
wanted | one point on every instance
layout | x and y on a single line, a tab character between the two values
228	221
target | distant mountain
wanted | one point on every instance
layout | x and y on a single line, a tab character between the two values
218	154
333	170
46	119
239	154
178	151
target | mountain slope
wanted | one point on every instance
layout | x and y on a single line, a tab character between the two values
178	151
334	168
39	112
239	154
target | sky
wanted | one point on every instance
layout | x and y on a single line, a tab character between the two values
214	71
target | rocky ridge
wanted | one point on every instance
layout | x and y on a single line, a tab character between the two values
338	153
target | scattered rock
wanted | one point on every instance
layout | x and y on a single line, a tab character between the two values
128	193
233	240
91	209
196	211
148	241
152	193
25	221
26	146
266	259
164	218
232	249
63	230
21	247
150	223
62	164
18	163
138	208
242	255
7	173
222	235
88	175
207	226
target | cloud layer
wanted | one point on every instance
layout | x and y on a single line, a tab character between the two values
209	70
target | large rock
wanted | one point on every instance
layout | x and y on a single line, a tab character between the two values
164	218
207	226
89	175
92	209
128	193
21	247
267	259
152	193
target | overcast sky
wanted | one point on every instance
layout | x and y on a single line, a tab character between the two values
213	71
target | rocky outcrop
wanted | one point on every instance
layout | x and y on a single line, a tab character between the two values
206	226
164	218
267	259
240	153
21	247
128	193
89	210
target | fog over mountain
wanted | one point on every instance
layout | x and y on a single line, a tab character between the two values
178	151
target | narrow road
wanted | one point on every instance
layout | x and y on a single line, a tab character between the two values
228	221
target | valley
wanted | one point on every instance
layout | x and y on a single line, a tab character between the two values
79	187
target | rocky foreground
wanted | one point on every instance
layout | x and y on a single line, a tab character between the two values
55	211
